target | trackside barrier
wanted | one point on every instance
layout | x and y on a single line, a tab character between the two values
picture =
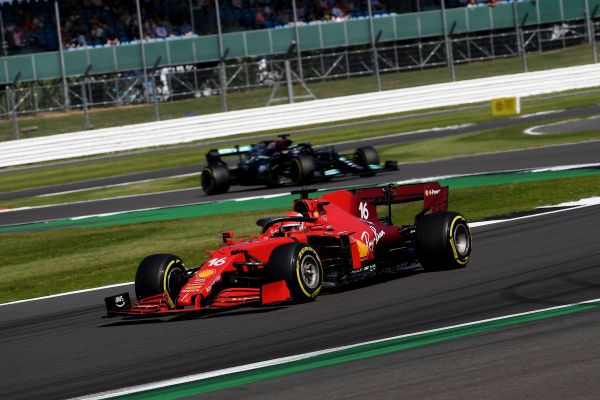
185	130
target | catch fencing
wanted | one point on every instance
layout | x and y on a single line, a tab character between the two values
190	129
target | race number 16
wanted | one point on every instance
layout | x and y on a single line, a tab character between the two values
215	262
364	212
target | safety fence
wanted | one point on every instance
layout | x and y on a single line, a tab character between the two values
190	129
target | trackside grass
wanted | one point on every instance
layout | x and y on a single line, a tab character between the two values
472	143
59	174
43	263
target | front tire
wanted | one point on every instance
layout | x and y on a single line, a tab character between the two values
160	273
443	241
365	156
301	169
215	179
299	265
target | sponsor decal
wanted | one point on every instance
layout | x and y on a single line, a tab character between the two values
432	192
366	237
209	288
364	212
215	262
363	249
366	268
206	272
120	301
193	288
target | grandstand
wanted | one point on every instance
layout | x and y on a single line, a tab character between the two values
31	26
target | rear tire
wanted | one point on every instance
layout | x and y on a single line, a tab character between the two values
215	179
365	156
301	169
443	241
299	265
160	273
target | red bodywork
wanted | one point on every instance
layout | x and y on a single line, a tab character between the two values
345	230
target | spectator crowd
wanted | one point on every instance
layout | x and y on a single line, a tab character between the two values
31	26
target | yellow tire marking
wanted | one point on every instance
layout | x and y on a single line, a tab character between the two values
305	249
169	299
453	245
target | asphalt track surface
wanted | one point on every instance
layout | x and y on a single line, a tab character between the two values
570	126
62	347
349	147
581	153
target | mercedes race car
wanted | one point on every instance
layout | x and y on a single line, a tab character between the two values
280	162
322	242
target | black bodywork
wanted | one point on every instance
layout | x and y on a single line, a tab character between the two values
281	162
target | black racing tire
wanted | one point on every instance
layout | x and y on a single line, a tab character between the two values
301	169
160	273
443	241
299	265
365	156
215	179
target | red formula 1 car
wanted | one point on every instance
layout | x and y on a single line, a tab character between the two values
324	242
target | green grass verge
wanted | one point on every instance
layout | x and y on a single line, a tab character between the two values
37	264
509	138
59	174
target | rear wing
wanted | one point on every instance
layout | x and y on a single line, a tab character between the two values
214	155
363	202
433	195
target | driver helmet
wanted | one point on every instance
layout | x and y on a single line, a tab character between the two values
290	226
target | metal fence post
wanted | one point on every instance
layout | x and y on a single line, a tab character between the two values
142	48
297	36
222	56
590	29
84	100
373	46
13	106
519	35
155	90
62	58
449	50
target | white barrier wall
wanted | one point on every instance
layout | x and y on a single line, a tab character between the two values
184	130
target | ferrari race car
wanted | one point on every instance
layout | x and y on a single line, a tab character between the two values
280	162
323	242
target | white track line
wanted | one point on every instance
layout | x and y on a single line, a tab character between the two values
533	130
67	293
540	114
304	356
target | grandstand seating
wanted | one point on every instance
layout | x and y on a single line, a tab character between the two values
35	24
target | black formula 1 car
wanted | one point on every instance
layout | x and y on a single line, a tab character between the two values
281	162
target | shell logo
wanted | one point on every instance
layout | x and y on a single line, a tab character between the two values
363	249
206	273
